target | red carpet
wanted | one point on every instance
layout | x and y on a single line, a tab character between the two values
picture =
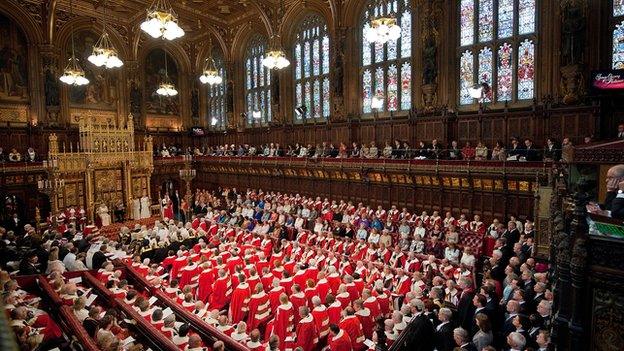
112	231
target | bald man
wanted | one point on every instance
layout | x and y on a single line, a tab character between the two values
614	179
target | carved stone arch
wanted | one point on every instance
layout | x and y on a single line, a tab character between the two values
352	15
263	16
24	20
241	41
202	53
297	14
63	36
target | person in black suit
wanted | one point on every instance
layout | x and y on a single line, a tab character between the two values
552	151
615	175
530	153
28	264
479	301
465	307
443	335
14	224
617	205
462	340
99	258
419	330
516	341
511	235
516	149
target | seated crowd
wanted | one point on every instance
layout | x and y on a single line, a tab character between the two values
15	156
289	272
399	149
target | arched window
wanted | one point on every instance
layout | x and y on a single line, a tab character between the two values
497	46
216	97
312	69
257	83
386	69
617	60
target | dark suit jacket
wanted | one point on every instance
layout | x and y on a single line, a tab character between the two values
465	310
98	259
617	208
443	338
420	335
468	347
26	268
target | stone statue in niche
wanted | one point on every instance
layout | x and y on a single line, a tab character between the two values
337	83
51	88
135	99
229	96
573	33
430	65
195	104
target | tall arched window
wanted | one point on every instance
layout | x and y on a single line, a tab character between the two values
617	60
386	70
216	97
257	83
497	46
312	68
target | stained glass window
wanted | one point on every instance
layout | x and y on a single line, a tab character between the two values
466	74
617	23
216	97
467	14
618	8
485	67
486	20
504	28
258	90
312	43
505	18
526	70
385	68
618	46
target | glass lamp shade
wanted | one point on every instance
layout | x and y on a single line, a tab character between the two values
275	59
382	30
210	77
167	90
104	54
162	22
73	74
377	102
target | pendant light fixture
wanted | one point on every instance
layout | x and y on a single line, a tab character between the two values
382	28
275	58
73	74
162	21
166	87
104	53
210	73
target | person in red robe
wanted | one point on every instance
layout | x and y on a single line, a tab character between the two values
365	317
321	318
240	301
338	339
283	322
274	295
221	292
306	335
298	299
206	279
334	309
352	326
259	308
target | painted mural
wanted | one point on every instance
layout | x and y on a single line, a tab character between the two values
155	73
13	62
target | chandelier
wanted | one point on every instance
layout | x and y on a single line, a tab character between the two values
210	74
104	54
383	28
162	21
166	87
73	74
275	59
